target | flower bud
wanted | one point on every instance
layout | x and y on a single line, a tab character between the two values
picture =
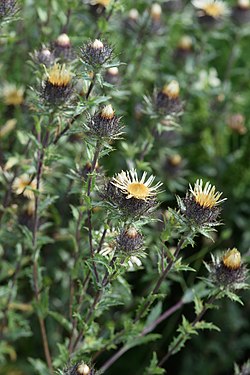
129	240
232	259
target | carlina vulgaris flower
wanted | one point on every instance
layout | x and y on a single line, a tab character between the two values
24	184
228	270
184	48
130	185
210	11
241	12
129	240
167	100
62	47
104	124
96	53
58	88
201	204
131	195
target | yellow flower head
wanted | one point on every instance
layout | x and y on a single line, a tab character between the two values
232	259
206	197
12	95
132	187
212	8
59	75
24	185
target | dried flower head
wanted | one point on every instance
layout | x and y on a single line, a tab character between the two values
12	95
58	85
133	197
7	8
201	204
129	240
25	185
105	124
96	53
228	270
167	100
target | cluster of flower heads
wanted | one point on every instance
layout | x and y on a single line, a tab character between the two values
131	195
228	271
201	204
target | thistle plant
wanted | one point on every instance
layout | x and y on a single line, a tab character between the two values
123	187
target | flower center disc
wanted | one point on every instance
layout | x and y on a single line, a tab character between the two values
138	190
213	10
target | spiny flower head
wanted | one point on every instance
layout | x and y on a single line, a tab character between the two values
206	197
96	53
213	8
130	185
129	240
59	75
132	196
58	86
228	270
167	100
105	124
201	204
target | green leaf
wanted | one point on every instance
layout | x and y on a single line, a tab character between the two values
153	369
